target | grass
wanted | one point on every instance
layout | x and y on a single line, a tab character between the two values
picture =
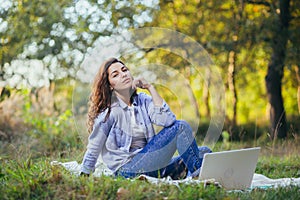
26	172
24	177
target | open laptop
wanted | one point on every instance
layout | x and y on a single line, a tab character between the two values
232	169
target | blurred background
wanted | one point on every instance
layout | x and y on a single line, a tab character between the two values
253	44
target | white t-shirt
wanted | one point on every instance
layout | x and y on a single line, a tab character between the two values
137	131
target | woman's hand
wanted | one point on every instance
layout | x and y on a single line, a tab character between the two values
141	83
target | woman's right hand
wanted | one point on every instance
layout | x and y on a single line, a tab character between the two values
141	83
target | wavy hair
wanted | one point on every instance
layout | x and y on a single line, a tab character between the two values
101	94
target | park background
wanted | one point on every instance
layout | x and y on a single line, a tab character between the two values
253	44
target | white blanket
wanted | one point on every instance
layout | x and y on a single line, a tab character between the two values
259	180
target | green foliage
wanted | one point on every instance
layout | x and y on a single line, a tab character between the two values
226	137
29	22
56	131
61	35
289	92
23	179
247	28
285	166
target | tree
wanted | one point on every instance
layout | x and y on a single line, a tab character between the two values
221	33
54	36
275	71
60	33
241	36
293	51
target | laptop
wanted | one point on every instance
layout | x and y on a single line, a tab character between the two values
232	169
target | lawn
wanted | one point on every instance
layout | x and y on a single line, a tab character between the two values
24	176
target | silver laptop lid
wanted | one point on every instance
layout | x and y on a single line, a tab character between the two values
232	169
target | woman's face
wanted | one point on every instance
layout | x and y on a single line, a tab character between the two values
119	77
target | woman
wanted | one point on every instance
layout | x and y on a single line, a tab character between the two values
120	123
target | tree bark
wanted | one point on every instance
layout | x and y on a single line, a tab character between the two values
190	92
231	84
4	93
205	95
275	73
192	98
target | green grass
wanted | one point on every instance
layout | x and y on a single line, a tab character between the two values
26	172
24	177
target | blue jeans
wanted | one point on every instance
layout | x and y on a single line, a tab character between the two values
156	158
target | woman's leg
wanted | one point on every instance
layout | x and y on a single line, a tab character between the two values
155	156
188	148
202	150
176	169
154	159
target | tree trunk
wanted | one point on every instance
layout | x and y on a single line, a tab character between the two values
231	84
4	93
277	112
205	95
275	73
190	92
192	98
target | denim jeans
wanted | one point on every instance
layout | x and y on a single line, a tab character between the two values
156	158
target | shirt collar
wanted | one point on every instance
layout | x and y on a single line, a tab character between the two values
123	105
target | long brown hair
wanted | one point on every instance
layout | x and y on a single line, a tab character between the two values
101	94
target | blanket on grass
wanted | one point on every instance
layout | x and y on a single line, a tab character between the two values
258	181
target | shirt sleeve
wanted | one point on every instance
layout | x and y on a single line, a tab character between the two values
159	115
96	143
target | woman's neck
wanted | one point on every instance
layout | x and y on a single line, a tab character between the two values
125	96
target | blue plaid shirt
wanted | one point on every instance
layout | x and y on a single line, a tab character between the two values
112	138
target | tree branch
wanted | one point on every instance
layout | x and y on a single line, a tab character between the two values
257	2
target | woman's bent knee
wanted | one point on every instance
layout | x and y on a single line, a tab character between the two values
183	125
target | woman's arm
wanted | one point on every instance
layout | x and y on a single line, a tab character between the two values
95	145
158	110
157	100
